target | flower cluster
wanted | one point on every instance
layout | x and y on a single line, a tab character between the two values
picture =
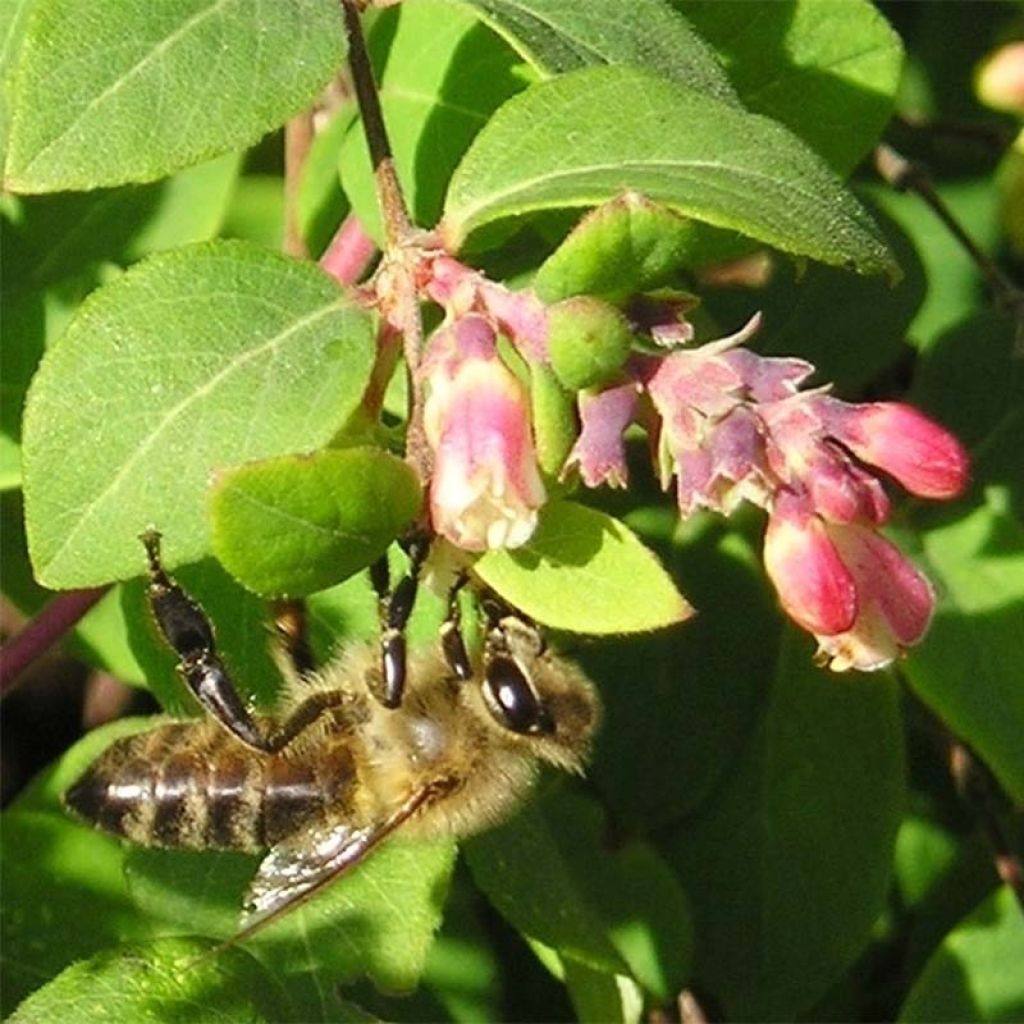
727	425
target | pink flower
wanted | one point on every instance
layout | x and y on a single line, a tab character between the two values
861	598
486	487
600	450
903	442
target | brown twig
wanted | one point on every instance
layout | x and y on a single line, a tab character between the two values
979	791
48	627
298	137
394	212
976	787
400	236
906	175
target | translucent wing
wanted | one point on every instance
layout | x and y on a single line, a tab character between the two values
300	866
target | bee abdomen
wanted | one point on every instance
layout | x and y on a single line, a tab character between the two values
195	787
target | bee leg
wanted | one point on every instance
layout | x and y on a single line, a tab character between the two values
395	607
290	647
511	643
189	633
303	717
453	646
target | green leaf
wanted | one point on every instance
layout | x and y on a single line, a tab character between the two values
952	292
296	524
696	691
441	75
582	138
55	872
585	572
550	873
788	869
377	922
194	360
975	974
256	212
556	36
135	90
832	80
168	979
967	669
59	235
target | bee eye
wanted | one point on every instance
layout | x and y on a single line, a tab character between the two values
511	699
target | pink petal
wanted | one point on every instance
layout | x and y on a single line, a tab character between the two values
815	587
924	457
600	450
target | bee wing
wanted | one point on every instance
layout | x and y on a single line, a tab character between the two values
301	865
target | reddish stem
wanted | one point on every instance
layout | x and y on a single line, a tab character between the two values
349	252
49	626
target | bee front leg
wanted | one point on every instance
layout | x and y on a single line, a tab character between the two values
453	646
189	633
395	609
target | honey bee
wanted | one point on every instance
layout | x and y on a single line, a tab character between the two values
337	771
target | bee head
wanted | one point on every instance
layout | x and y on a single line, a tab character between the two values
545	700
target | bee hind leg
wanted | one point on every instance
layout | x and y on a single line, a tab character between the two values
189	633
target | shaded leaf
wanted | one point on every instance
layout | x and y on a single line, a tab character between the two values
584	137
194	360
585	572
297	524
830	80
788	869
134	90
556	36
554	874
82	882
697	691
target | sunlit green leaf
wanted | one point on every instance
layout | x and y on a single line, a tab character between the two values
131	91
586	572
195	360
584	137
442	74
168	979
296	524
975	974
967	669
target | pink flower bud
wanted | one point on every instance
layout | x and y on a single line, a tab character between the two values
486	488
814	585
920	454
894	603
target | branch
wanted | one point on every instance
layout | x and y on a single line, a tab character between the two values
400	237
394	212
48	627
979	791
908	176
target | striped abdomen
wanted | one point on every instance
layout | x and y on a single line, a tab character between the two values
195	786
